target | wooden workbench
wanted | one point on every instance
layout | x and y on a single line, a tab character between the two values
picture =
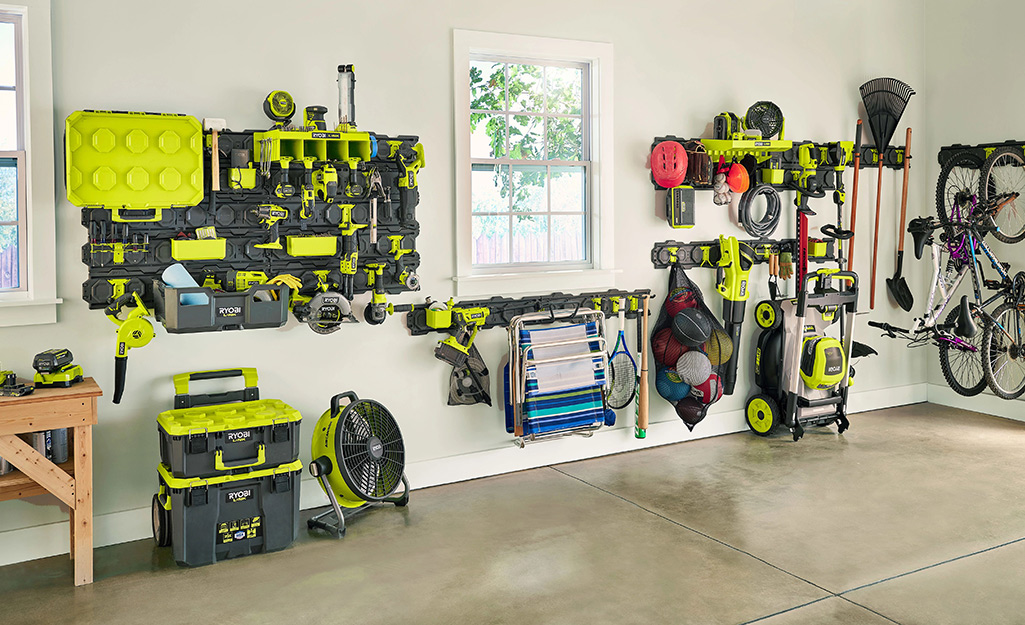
71	482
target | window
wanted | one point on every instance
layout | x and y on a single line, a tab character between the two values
529	154
534	163
28	276
12	156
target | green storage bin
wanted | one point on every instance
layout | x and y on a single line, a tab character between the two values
199	249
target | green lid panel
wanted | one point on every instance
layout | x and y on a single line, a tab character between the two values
193	482
133	160
223	417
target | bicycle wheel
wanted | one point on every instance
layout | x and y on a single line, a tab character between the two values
962	367
1003	353
958	181
1003	176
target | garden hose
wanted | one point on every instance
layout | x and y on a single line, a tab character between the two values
764	227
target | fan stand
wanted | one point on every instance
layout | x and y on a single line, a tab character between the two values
333	520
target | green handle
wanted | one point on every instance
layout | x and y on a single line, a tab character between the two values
221	465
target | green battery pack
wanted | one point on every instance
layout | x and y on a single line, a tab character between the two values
680	206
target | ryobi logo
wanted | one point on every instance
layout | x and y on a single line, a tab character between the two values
833	369
229	311
330	300
376	448
325	135
743	288
236	496
239	436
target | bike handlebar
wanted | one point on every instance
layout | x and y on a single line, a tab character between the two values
885	327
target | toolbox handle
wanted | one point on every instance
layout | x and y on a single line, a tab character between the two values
183	399
221	465
337	399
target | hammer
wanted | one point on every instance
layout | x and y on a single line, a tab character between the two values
214	125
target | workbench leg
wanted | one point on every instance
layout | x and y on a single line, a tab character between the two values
82	534
71	526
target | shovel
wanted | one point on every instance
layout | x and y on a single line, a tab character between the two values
897	285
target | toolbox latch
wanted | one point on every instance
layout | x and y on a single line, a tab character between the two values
280	432
282	482
197	444
197	496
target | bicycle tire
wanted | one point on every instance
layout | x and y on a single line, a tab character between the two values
1008	380
962	369
959	174
1004	172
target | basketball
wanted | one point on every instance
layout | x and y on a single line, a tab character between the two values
680	299
691	327
690	411
670	386
693	367
709	391
666	349
718	347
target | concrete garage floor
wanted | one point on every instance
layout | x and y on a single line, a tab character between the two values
916	515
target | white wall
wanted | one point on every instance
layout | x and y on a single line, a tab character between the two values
677	65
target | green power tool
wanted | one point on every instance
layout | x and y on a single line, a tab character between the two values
731	280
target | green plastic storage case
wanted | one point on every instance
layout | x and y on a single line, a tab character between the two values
206	436
134	164
206	520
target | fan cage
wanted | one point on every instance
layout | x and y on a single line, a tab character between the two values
368	478
766	117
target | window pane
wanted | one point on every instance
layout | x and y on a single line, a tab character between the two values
8	189
526	88
530	238
487	135
568	237
9	257
565	138
568	190
8	120
489	187
7	57
526	137
529	188
487	86
564	87
490	239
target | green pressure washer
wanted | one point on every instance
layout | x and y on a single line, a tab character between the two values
55	367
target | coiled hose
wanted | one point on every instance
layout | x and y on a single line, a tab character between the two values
764	227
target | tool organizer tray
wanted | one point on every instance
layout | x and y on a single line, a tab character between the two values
144	183
221	311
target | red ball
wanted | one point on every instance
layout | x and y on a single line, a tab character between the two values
666	349
709	391
679	300
690	411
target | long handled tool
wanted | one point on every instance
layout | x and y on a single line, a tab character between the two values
642	383
854	194
898	285
885	100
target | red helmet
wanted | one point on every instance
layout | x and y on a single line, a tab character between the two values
737	178
669	164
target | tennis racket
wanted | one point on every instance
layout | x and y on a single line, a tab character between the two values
622	367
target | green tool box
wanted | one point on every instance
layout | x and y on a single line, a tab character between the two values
209	519
206	435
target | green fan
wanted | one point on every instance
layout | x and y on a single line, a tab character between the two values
279	107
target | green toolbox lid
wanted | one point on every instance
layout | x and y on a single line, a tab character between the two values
193	482
133	160
223	417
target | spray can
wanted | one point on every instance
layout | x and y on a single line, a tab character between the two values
5	467
58	445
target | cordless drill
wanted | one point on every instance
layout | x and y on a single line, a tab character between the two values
270	215
731	280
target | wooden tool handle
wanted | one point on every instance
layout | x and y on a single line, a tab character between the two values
875	236
904	189
642	401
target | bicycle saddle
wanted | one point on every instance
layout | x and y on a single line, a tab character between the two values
921	231
965	327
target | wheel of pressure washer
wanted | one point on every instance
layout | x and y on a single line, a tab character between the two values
161	523
767	314
762	414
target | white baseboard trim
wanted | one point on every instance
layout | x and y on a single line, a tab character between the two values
985	402
43	541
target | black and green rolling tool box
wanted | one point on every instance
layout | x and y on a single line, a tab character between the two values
207	435
209	519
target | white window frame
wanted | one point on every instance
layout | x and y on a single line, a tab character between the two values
35	302
541	277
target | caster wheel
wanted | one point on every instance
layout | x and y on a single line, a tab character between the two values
161	523
762	414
